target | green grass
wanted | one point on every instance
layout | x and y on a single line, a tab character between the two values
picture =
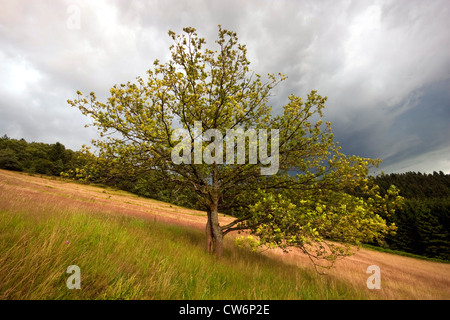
130	258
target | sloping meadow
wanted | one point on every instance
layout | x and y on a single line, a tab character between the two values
121	256
128	247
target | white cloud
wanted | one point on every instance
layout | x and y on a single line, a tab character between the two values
17	74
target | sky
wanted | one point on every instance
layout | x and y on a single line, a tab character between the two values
384	65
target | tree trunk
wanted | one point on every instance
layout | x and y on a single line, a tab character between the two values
209	235
214	235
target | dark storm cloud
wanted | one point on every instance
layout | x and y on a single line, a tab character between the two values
384	65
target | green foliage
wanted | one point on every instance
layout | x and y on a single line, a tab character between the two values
424	219
9	160
34	157
417	185
315	222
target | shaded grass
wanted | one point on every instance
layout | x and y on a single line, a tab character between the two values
124	257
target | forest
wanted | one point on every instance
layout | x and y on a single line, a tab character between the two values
37	157
423	222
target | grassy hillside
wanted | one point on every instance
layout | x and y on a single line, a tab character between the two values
133	248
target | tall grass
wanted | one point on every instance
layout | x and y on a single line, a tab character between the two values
124	257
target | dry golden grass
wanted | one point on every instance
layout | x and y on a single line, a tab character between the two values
401	277
109	200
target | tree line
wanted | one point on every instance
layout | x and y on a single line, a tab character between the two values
37	157
423	221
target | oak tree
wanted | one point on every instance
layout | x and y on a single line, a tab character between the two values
317	199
